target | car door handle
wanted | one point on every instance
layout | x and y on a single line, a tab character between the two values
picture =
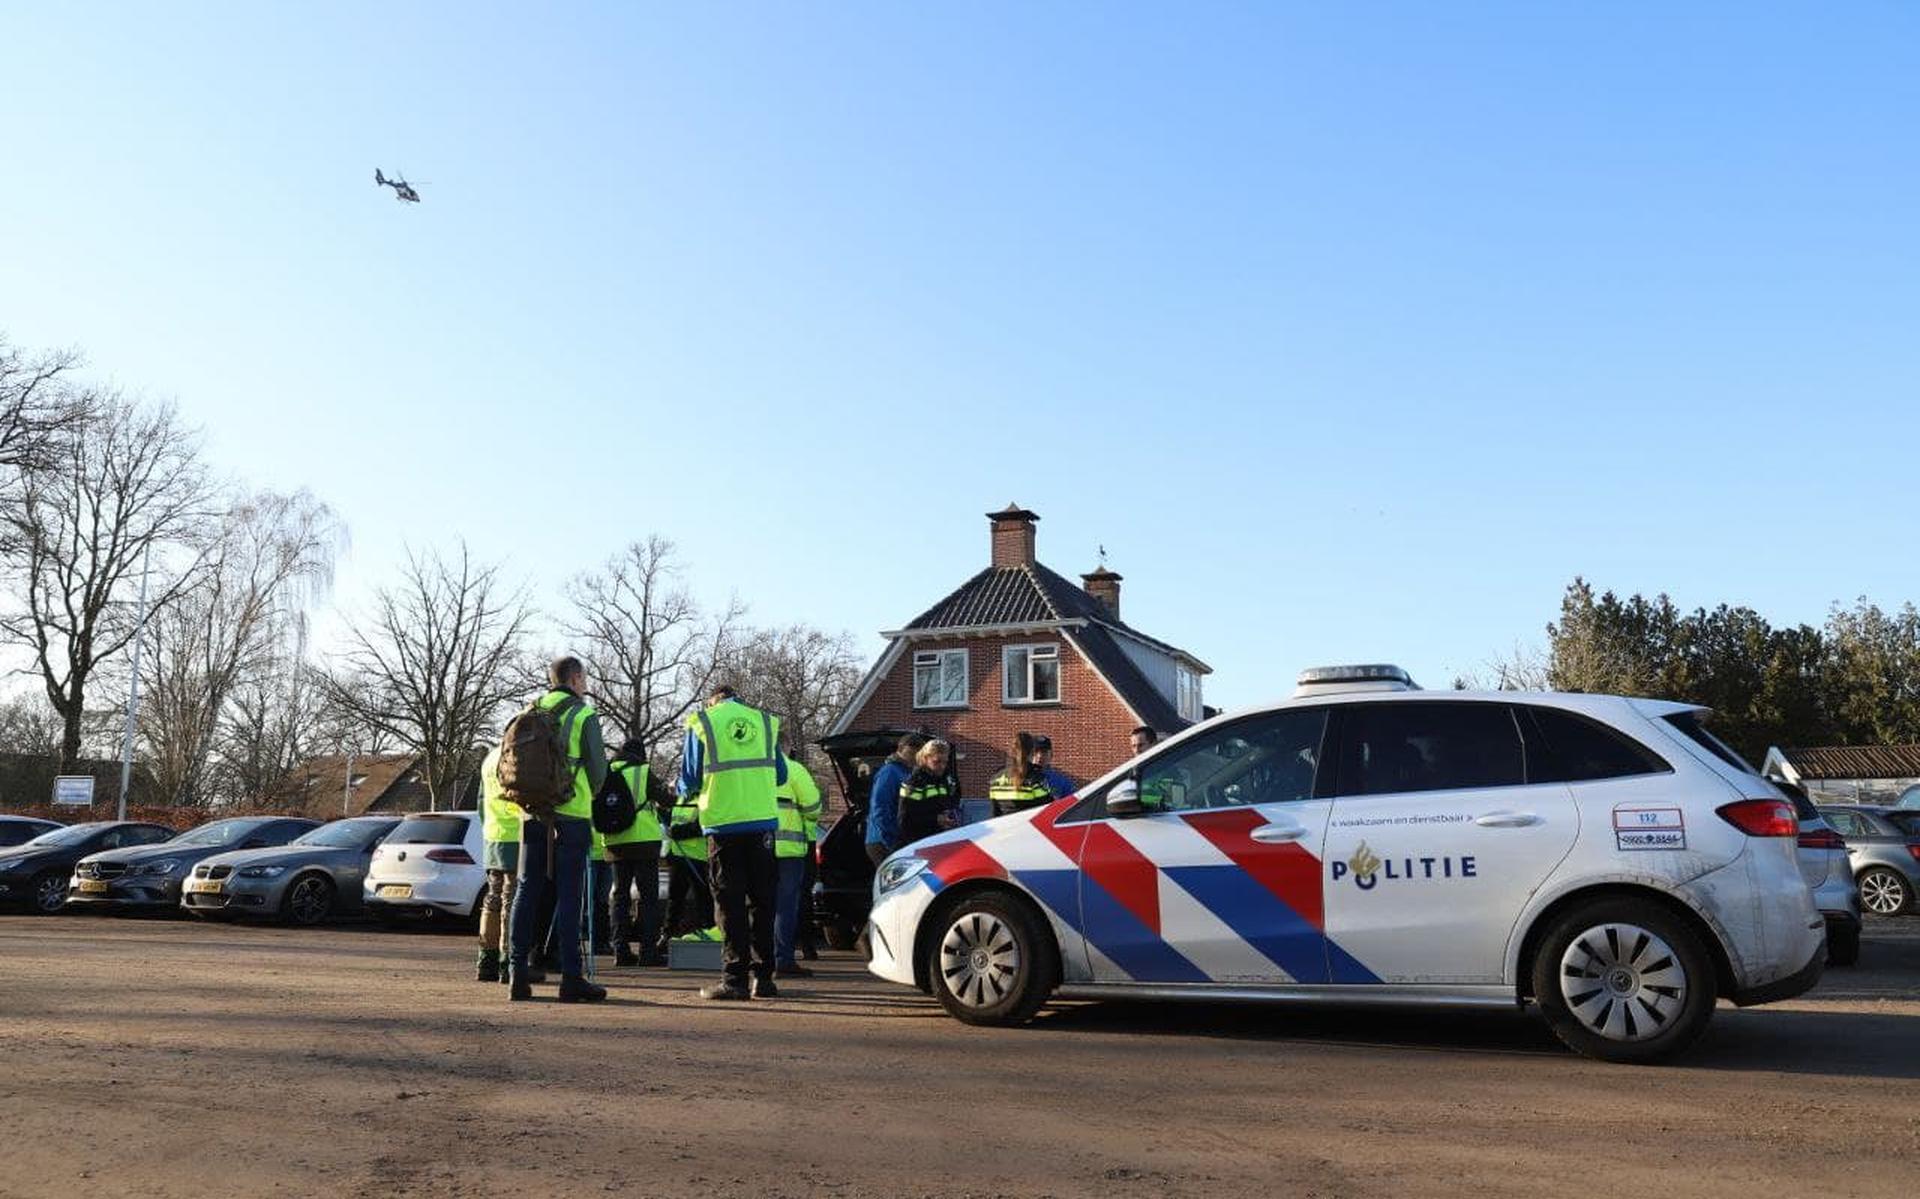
1506	820
1277	834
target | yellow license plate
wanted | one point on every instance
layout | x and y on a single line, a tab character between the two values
93	886
394	891
203	887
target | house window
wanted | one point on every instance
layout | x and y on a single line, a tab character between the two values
1186	699
1032	674
940	678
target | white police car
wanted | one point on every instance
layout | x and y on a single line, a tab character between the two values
1606	859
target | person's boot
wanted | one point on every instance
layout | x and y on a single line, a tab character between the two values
535	974
763	987
487	969
623	955
726	989
653	957
810	952
574	989
519	986
792	970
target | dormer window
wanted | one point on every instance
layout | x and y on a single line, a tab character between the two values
1032	674
1186	696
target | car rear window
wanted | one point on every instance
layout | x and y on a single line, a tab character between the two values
430	830
1579	750
1689	723
1907	822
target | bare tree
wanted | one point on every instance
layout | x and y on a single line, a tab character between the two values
28	726
273	555
436	662
801	674
129	485
653	652
39	406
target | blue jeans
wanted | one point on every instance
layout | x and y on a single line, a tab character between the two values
572	839
791	876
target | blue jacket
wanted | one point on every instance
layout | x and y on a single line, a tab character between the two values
1059	784
883	804
693	770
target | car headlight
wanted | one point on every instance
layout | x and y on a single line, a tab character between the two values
262	871
165	866
897	872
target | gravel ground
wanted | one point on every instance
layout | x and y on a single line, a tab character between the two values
162	1058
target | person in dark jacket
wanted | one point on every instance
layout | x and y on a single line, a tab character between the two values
929	802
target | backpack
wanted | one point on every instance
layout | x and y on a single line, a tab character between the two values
614	809
534	769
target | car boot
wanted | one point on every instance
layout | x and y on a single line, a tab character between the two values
763	987
623	955
725	990
487	969
574	989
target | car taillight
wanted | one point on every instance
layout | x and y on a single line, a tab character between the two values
454	856
1821	838
1914	849
1762	817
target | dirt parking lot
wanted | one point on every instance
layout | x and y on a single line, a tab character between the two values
161	1058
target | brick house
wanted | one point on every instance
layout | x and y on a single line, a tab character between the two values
1018	647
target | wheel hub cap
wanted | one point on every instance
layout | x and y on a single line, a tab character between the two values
979	959
1622	981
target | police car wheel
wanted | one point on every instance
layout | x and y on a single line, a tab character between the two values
1624	980
991	963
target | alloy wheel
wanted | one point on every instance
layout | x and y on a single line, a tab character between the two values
980	959
308	902
50	893
1622	981
1882	892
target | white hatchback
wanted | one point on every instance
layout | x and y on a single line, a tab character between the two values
429	864
1605	859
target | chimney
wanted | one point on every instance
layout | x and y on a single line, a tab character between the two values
1104	585
1012	537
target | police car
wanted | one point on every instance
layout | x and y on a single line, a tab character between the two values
1605	859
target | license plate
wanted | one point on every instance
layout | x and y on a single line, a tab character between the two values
394	890
203	887
93	886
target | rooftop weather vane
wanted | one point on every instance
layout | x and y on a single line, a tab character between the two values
402	190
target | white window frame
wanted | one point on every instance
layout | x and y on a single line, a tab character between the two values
1042	649
937	659
1186	693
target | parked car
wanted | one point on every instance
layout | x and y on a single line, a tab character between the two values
1605	859
845	887
1909	800
149	876
429	865
1825	865
1883	845
36	874
18	830
316	875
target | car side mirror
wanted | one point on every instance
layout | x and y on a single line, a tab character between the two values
1124	799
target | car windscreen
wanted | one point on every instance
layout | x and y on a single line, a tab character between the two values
1689	723
343	834
19	832
430	830
220	832
73	834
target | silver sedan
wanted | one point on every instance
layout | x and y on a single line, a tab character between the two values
304	882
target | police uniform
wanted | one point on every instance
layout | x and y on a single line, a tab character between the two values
1009	796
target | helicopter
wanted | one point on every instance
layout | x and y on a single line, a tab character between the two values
402	190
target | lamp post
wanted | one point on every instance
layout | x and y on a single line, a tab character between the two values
133	687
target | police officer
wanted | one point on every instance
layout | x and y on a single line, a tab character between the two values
1023	784
731	762
799	799
569	837
636	861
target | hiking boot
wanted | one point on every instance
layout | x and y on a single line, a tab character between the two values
487	969
624	956
518	986
724	990
763	987
579	990
792	970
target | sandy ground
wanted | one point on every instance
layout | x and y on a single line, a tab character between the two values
160	1058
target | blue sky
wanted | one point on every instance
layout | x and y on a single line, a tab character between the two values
1352	331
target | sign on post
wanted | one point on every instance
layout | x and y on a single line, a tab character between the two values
73	791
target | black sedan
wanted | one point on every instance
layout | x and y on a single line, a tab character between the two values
149	876
18	830
316	876
35	874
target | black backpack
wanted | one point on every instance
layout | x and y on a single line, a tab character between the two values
613	809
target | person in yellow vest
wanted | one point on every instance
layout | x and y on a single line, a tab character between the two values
636	860
731	765
689	897
1023	784
799	799
500	827
570	838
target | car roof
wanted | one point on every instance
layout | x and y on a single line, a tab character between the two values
11	818
1575	701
